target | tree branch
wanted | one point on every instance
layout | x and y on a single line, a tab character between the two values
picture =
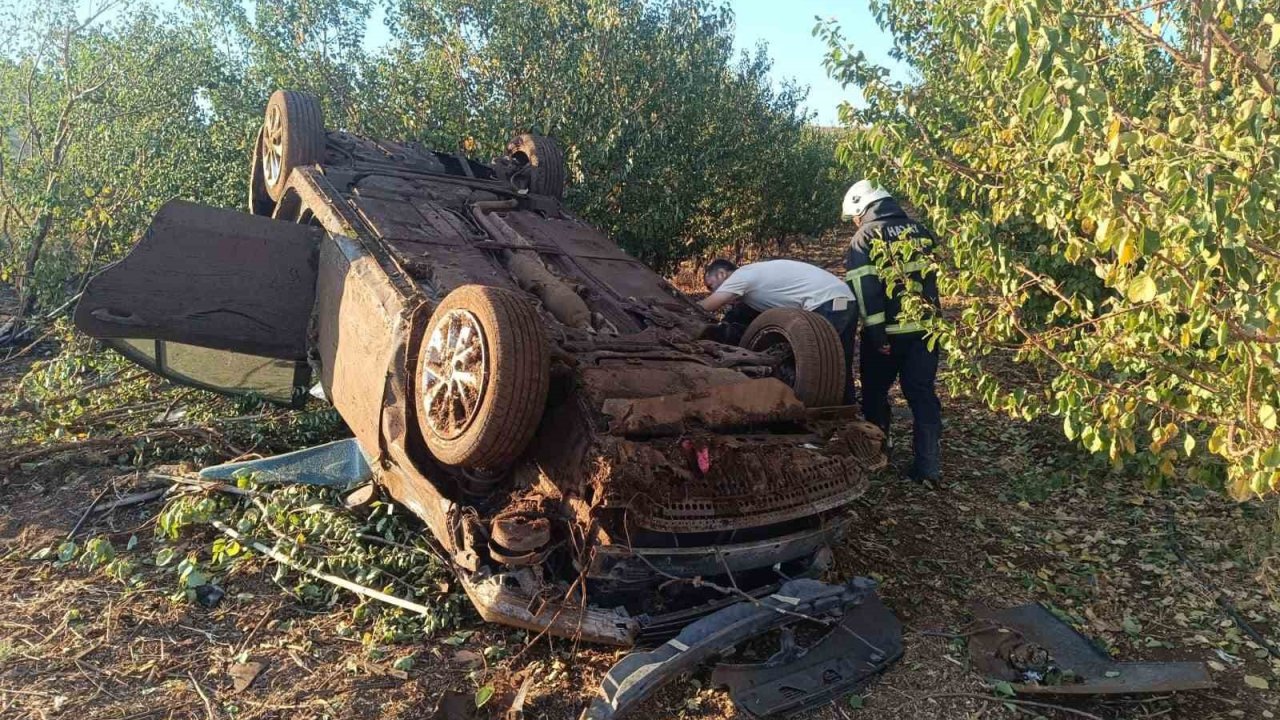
1145	32
1264	80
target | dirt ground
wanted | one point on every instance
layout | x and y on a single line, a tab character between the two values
1020	516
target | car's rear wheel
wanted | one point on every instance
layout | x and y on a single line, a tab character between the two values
482	377
813	360
292	136
541	158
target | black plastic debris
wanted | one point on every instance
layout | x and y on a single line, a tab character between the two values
1039	654
209	595
867	640
844	658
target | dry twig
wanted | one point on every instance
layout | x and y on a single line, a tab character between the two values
332	579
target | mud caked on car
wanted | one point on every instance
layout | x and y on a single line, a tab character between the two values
550	408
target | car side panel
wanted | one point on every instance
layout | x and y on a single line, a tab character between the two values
358	317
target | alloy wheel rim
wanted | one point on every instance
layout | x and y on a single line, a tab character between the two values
454	374
272	145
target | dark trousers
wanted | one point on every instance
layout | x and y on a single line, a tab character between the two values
846	324
915	366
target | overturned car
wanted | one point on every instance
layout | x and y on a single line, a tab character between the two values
551	409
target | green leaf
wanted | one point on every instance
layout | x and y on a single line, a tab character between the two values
458	638
165	556
1016	59
1256	682
67	551
1270	458
1067	130
855	702
1130	626
1003	689
1141	289
484	695
1267	416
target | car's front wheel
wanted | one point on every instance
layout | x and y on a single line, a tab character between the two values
482	375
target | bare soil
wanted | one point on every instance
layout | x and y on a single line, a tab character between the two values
1021	516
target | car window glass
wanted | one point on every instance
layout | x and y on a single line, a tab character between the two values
282	381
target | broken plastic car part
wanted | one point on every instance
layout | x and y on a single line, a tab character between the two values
1039	654
865	638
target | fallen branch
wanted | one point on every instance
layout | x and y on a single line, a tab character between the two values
993	698
133	499
331	579
203	484
88	511
91	387
14	355
1207	584
28	453
208	706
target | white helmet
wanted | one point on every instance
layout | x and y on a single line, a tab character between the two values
859	197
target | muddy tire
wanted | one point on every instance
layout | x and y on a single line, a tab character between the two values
481	377
816	368
260	202
545	163
292	136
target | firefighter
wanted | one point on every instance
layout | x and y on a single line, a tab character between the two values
892	350
786	283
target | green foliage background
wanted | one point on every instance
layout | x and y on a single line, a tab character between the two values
676	144
1105	175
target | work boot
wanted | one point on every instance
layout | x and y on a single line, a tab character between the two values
925	460
929	481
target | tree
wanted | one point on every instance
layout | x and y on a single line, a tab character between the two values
1104	173
92	151
675	145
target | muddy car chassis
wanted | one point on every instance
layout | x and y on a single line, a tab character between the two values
592	465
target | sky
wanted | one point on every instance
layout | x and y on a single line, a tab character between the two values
786	26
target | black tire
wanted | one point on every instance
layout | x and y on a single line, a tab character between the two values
817	370
293	136
545	160
260	202
490	428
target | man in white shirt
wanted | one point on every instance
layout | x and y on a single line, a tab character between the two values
787	283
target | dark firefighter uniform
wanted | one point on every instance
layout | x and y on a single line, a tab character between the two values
892	350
